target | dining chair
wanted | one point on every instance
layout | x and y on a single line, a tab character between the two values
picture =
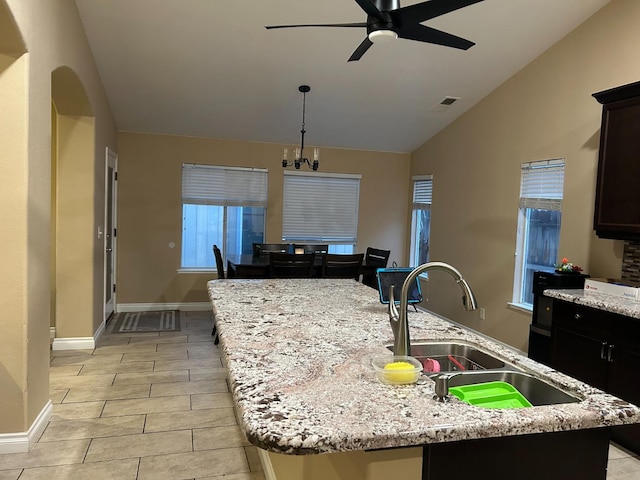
310	248
220	267
291	265
374	258
266	248
219	263
342	266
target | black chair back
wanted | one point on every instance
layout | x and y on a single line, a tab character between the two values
290	265
342	266
374	258
266	248
309	248
219	263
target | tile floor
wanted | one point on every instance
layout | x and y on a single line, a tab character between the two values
146	406
155	406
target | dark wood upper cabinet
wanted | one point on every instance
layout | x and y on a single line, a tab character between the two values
617	208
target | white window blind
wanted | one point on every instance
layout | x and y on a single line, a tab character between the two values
542	184
225	186
320	208
422	191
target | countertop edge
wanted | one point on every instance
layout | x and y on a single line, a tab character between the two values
600	301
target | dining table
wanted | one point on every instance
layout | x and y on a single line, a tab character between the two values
253	262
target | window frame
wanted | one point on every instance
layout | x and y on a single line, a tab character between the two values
541	188
304	195
223	187
422	199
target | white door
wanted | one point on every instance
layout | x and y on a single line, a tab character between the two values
111	190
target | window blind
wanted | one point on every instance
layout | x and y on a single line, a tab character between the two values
320	208
225	186
542	184
422	191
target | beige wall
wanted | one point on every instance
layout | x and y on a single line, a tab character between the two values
545	111
13	234
74	228
149	206
54	37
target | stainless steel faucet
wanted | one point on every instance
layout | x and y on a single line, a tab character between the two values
400	322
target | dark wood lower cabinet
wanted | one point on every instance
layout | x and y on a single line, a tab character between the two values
603	350
624	382
581	357
580	454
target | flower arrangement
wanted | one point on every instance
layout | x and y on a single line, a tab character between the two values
565	266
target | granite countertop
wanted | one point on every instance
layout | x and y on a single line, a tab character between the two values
298	353
601	301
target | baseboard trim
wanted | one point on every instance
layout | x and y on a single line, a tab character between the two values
149	307
73	343
98	333
79	343
21	442
267	467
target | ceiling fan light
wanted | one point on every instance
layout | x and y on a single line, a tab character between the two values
382	36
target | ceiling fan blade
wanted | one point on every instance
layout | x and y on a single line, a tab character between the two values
360	24
422	33
362	48
369	7
424	11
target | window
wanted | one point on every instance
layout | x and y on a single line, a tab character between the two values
539	218
223	206
421	219
321	208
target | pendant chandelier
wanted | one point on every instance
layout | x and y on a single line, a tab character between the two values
298	153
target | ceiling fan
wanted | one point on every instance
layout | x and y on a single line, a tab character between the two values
386	20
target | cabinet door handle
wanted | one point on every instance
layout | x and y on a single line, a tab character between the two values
603	347
577	316
610	354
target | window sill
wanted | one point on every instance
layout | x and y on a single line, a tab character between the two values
522	307
197	270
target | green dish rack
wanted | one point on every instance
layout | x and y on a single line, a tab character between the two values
491	395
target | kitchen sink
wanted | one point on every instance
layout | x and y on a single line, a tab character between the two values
454	357
537	391
475	366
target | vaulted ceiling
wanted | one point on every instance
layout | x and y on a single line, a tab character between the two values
209	67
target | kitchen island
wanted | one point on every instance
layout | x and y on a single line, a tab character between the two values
298	354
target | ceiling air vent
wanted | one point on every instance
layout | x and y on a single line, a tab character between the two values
444	104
